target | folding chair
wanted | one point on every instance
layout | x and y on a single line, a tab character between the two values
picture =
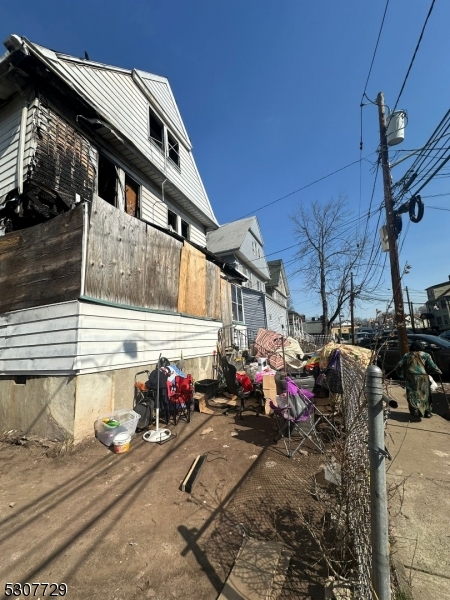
298	418
180	393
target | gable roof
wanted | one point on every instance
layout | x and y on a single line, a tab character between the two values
229	237
121	98
276	269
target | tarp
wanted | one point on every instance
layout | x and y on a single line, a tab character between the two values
268	344
360	355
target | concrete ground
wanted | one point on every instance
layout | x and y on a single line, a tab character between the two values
419	481
118	526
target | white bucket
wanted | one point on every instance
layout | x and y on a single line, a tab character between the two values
122	443
262	364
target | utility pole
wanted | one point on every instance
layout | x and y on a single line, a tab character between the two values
411	311
393	249
352	308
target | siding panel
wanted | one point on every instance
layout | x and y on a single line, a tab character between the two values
10	117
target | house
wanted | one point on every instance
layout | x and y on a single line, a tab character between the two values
277	292
438	304
296	324
104	218
240	244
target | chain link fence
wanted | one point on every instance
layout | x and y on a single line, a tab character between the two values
355	474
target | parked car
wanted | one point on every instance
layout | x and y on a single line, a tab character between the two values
389	353
445	335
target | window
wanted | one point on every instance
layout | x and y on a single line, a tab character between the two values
258	285
174	149
439	320
131	197
184	229
446	320
107	180
172	221
443	303
156	131
236	303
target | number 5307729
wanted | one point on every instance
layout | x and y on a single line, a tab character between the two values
35	589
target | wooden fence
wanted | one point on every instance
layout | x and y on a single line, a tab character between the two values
128	263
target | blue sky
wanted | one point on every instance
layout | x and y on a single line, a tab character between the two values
270	93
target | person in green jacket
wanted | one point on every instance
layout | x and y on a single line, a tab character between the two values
414	367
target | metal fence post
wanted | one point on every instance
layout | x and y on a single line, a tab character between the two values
378	493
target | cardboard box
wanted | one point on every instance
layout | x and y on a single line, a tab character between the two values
270	391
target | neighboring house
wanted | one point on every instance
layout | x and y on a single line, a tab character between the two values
438	304
240	244
277	292
104	217
313	326
296	324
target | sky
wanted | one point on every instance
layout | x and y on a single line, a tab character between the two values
270	93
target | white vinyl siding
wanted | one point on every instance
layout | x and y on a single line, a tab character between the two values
117	96
259	262
40	339
80	337
276	316
10	117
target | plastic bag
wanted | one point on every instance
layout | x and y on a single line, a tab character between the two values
433	384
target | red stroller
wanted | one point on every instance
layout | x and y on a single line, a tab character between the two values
180	393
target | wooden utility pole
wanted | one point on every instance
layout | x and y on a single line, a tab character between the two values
411	311
352	308
393	250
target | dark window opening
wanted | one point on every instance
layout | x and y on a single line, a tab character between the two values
20	380
156	131
131	197
107	180
174	150
172	220
184	229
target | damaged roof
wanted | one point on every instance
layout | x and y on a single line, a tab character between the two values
121	98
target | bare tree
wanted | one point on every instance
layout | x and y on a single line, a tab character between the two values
328	252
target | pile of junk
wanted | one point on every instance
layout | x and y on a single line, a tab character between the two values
166	395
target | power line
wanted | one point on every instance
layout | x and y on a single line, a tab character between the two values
414	56
304	187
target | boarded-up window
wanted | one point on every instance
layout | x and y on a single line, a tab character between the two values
131	197
156	131
107	180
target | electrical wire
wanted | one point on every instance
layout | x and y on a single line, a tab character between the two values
368	75
414	56
304	187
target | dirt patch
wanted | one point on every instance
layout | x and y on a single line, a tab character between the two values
118	527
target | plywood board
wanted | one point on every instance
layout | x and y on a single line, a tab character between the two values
225	302
192	286
213	309
162	269
116	255
253	572
42	264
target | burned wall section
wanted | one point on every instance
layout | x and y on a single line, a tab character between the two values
60	169
63	163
